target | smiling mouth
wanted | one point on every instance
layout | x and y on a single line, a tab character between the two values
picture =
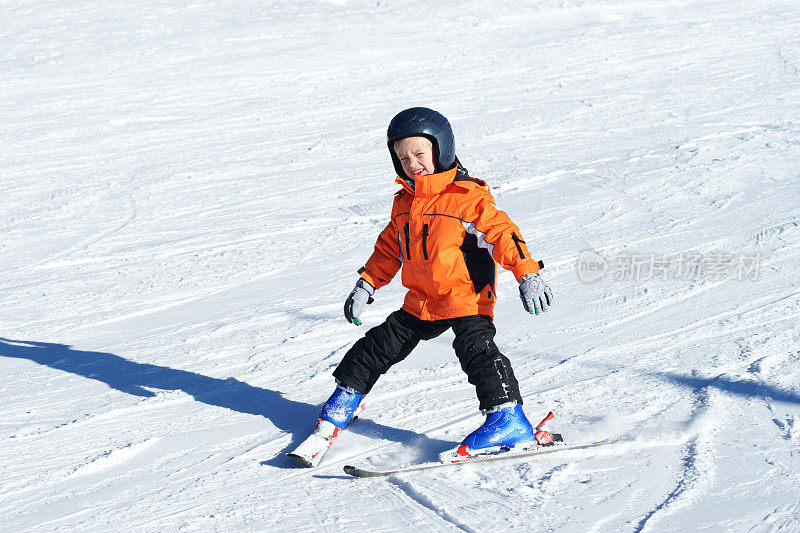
418	172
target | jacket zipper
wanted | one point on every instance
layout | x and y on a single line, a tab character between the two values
425	241
517	240
408	248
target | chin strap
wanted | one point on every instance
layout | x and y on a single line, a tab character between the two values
462	171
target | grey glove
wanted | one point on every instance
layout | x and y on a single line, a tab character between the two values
535	294
360	297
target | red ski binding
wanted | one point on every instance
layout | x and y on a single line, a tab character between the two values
543	436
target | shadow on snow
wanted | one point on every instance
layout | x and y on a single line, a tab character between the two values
743	387
130	377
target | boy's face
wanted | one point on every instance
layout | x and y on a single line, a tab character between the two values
416	156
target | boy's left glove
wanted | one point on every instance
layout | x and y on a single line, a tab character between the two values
360	297
535	294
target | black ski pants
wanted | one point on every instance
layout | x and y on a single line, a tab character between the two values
391	342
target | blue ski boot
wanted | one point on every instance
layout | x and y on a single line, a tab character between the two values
506	427
341	406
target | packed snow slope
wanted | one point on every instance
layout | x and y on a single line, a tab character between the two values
188	189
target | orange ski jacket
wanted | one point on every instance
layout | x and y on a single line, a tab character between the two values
447	234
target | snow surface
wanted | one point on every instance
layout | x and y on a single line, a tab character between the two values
189	187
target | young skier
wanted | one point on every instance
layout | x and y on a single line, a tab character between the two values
447	236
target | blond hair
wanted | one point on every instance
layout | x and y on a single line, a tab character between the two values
418	138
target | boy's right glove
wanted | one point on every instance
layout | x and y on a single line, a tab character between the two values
535	294
360	297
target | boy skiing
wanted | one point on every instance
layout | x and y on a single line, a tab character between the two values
447	236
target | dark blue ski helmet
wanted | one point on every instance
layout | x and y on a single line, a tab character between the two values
426	123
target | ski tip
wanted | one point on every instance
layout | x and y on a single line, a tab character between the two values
354	471
302	461
357	472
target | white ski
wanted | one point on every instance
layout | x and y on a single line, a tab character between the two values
539	450
310	452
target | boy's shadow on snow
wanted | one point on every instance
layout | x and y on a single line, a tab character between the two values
739	387
130	377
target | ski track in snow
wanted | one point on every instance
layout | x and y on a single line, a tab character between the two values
188	191
695	469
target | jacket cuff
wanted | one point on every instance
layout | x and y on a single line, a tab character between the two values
366	277
528	267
